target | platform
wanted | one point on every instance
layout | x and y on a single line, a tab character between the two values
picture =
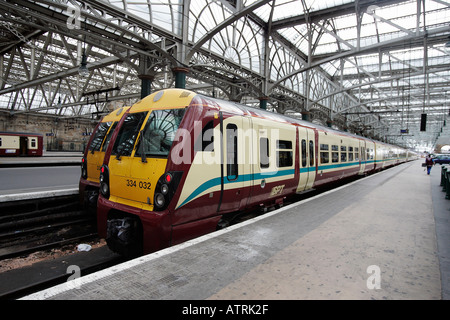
375	238
49	158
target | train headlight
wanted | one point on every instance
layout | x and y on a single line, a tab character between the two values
104	181
165	189
105	189
160	201
84	168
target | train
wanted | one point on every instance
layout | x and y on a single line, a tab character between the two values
21	144
180	165
93	156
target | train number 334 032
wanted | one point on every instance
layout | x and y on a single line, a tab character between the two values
141	184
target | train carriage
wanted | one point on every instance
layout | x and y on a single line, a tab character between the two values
94	153
339	156
181	165
21	144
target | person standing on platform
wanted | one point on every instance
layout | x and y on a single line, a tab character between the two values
429	163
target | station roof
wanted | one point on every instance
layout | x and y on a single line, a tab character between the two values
372	67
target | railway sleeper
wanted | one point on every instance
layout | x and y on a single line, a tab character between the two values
10	235
10	208
42	220
42	212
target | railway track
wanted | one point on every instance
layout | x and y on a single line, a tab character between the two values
32	225
28	280
27	226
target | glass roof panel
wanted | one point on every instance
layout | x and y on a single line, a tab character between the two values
331	35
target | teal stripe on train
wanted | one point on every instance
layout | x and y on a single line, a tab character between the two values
241	178
258	176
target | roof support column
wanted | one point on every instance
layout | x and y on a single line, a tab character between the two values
146	84
306	115
146	74
263	102
180	77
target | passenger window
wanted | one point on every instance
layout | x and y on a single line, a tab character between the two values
232	163
264	152
369	155
334	153
343	154
324	153
356	154
303	153
350	153
284	153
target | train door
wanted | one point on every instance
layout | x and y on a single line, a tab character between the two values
362	156
370	156
233	168
23	146
307	142
121	162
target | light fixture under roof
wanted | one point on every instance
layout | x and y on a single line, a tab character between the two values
83	69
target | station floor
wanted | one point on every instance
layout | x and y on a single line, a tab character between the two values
385	236
48	158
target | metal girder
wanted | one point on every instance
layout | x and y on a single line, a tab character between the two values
89	33
328	13
293	75
51	77
441	36
211	33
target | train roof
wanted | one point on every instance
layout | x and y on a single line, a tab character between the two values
115	114
252	111
183	97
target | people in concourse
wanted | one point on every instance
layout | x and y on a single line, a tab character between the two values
429	163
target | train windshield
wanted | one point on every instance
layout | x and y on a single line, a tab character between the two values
159	132
108	137
99	136
128	134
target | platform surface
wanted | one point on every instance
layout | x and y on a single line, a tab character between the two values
49	158
375	238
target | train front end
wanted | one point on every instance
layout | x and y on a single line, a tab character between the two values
93	157
136	188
